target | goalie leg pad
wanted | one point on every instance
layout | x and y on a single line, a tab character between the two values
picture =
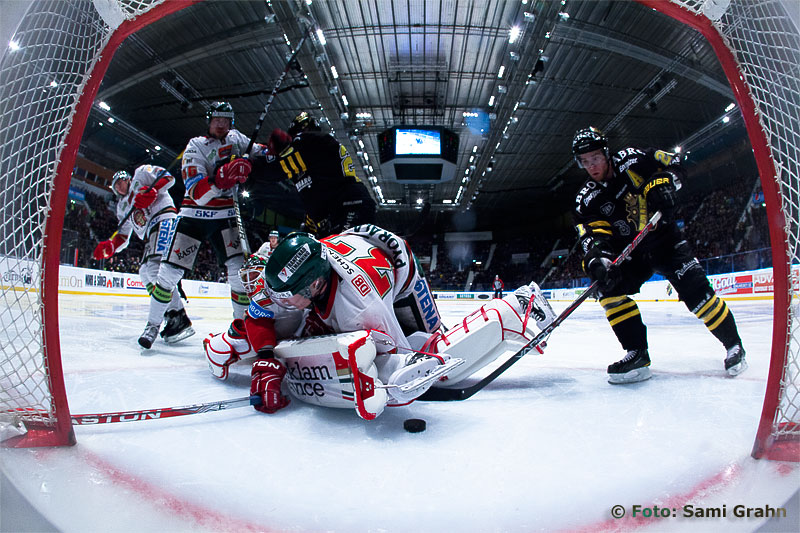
334	371
481	337
224	349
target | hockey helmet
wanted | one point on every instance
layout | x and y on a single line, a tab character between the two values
220	109
121	175
294	266
303	122
588	140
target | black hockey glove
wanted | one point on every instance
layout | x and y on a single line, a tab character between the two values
661	194
598	265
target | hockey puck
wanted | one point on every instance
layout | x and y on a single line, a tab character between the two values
414	425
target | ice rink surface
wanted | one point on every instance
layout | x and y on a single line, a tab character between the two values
549	446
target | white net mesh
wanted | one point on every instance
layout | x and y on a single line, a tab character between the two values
60	42
766	44
42	76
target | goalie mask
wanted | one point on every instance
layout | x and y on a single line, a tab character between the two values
116	178
220	109
294	270
588	140
303	122
252	272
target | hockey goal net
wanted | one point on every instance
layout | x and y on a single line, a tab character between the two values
49	82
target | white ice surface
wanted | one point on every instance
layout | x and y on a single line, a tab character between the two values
548	446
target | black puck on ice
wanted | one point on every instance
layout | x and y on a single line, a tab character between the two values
414	425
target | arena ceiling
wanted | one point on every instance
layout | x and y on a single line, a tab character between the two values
619	65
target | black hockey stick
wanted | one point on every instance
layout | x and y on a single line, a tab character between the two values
236	207
446	395
272	95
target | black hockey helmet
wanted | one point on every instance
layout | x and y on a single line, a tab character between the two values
121	175
588	140
220	109
303	122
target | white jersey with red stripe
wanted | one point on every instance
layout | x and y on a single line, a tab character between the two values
374	269
200	159
141	220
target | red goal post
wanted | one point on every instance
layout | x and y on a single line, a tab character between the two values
49	78
48	85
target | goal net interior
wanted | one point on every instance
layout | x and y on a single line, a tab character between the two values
49	79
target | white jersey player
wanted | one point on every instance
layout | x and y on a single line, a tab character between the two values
144	199
387	348
213	165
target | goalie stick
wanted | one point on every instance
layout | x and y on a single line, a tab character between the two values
457	394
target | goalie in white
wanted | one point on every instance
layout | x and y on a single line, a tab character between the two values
388	345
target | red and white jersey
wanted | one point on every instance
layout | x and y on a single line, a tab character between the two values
200	161
373	269
141	220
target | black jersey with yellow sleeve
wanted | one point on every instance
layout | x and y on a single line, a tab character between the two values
321	170
616	210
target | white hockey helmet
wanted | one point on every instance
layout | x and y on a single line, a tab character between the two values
121	175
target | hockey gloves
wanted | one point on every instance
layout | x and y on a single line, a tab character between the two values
278	141
106	249
661	194
234	171
267	376
598	265
145	197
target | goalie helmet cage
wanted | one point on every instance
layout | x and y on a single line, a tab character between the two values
50	82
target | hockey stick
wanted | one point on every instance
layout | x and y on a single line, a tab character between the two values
272	95
236	207
166	412
446	395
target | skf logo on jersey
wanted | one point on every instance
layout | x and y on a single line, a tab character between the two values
295	262
361	285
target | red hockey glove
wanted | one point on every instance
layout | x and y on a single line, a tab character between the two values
145	197
267	376
278	141
233	172
106	249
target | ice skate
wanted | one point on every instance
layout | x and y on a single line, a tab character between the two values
635	366
422	371
148	336
178	327
734	360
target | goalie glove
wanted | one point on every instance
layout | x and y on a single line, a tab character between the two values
234	171
597	263
106	249
267	376
661	194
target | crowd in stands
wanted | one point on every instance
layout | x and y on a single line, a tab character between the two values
717	224
93	220
722	222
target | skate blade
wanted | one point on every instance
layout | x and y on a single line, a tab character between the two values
737	369
634	376
185	334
